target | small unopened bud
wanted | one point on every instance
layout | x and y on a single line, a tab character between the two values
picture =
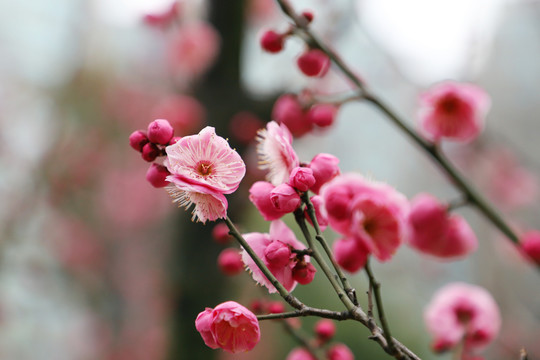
314	62
285	198
156	175
302	178
272	41
308	15
220	233
277	254
325	329
322	115
150	152
230	262
160	131
325	168
276	307
137	139
303	272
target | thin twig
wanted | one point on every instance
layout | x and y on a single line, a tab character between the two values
309	311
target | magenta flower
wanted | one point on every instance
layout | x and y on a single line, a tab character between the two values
276	153
371	212
275	251
259	195
229	326
435	232
203	167
465	313
454	111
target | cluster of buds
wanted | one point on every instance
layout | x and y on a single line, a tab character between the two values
151	144
301	116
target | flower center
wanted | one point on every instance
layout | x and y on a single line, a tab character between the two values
449	104
204	168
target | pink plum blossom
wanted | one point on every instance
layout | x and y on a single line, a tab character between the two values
325	168
302	178
313	62
350	254
272	41
276	153
340	351
435	232
460	312
274	251
285	198
288	110
371	212
299	354
229	326
325	329
157	175
160	132
454	111
230	261
259	195
203	167
530	245
322	115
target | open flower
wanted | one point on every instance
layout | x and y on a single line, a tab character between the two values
465	313
454	111
276	153
274	249
229	326
203	167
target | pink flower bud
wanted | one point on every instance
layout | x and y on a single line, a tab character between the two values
340	352
272	41
304	272
299	354
257	306
277	254
230	262
160	132
313	62
308	15
284	198
325	329
322	115
150	152
350	254
229	326
287	110
259	195
530	245
156	175
320	212
220	233
276	307
325	168
137	140
302	178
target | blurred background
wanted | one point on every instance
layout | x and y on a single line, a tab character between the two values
97	264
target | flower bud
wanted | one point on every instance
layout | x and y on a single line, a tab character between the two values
287	110
302	178
220	233
325	329
259	195
313	62
160	131
272	41
276	307
308	15
322	115
340	352
285	198
150	152
277	253
304	272
530	245
156	175
325	168
230	262
137	140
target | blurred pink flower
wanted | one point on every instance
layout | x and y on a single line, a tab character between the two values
325	329
274	251
192	49
372	213
276	153
229	326
454	111
530	245
325	168
163	19
350	254
460	312
184	113
320	212
230	261
287	110
435	232
340	351
299	353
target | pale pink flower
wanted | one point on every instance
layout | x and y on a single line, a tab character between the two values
192	49
300	354
530	245
435	232
340	351
276	153
454	111
203	167
460	312
229	326
206	160
373	213
274	251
